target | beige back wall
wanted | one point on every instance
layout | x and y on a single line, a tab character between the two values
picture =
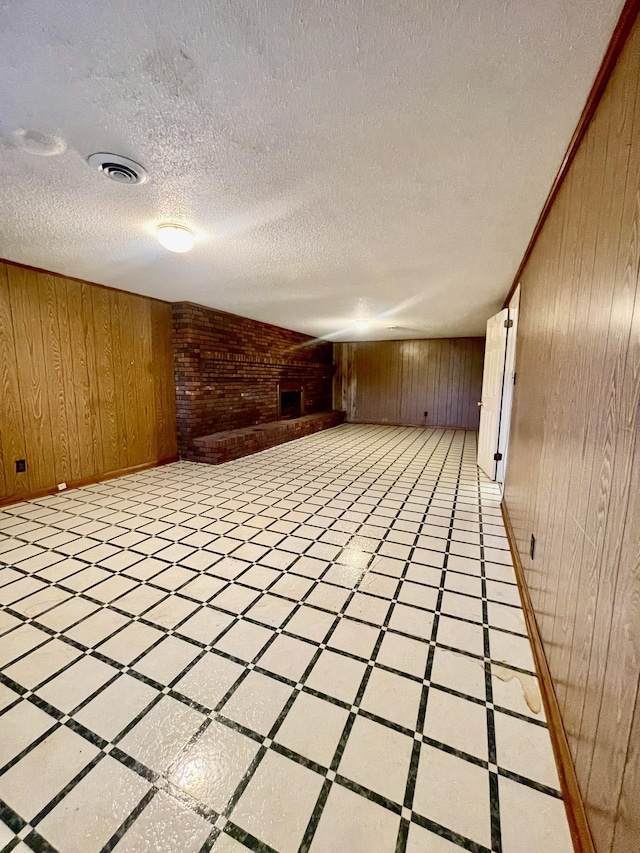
86	379
573	477
396	382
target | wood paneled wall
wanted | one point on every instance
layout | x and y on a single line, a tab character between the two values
396	382
86	376
573	477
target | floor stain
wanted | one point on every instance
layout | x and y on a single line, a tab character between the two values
528	683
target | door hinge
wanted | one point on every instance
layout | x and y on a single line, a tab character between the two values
514	377
497	457
508	324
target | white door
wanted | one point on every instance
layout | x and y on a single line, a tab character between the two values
492	382
509	379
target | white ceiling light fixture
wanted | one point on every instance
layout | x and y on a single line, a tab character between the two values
361	325
175	238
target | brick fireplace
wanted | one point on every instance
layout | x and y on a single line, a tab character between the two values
233	373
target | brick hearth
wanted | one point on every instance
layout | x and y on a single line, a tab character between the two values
232	444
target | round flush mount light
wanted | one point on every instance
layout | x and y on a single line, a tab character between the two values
361	325
175	238
122	170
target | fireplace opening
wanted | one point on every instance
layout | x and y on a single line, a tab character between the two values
290	400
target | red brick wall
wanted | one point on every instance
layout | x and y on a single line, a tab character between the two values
227	369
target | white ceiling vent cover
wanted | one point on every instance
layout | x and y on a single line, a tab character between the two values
119	169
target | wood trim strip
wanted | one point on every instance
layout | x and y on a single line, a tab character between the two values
81	280
625	23
413	426
576	814
87	481
405	340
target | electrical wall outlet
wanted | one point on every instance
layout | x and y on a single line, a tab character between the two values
62	487
21	466
426	414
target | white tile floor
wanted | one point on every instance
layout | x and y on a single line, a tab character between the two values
319	647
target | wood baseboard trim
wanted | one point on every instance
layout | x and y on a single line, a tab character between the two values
576	815
88	481
416	426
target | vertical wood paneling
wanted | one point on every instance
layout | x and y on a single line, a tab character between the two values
345	385
610	521
614	673
338	400
115	304
69	394
561	399
26	305
627	823
61	412
85	371
130	370
432	379
571	553
596	456
146	387
397	381
105	378
12	443
573	478
351	382
87	383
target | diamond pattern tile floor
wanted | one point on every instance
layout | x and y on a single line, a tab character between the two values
316	648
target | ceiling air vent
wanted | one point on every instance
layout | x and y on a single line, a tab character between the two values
119	169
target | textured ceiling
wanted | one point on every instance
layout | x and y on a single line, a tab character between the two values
337	158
